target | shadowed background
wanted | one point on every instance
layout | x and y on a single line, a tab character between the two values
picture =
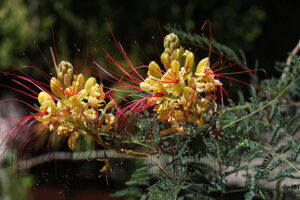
264	30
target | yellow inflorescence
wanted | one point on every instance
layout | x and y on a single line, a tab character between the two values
181	93
77	106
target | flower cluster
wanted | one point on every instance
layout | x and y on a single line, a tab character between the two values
76	106
181	94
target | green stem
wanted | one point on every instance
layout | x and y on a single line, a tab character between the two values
101	142
258	110
266	148
277	155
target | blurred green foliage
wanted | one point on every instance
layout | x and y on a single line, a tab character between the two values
14	186
27	24
254	26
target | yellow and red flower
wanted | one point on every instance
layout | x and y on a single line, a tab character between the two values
180	94
76	107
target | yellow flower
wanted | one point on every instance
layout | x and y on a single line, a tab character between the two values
77	106
205	78
180	93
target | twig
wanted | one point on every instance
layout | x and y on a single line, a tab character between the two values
289	60
294	52
74	156
260	109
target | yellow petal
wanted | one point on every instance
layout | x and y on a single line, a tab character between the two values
72	140
154	70
200	121
145	86
56	87
148	84
67	80
109	122
165	60
80	80
106	168
175	65
70	73
189	92
43	97
189	60
89	83
177	54
202	65
159	88
192	82
166	131
60	77
110	104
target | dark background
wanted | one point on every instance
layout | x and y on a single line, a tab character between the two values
265	30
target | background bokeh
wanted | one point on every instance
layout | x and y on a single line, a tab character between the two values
265	30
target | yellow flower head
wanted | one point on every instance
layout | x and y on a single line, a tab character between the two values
76	107
181	93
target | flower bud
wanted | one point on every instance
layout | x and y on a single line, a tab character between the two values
171	41
60	77
189	60
64	67
165	60
177	54
43	97
67	80
65	73
56	87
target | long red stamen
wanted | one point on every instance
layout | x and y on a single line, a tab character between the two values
17	90
26	87
129	62
118	81
210	35
53	58
241	72
237	80
121	68
33	108
44	74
